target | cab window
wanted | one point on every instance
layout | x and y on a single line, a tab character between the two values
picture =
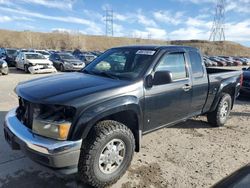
175	63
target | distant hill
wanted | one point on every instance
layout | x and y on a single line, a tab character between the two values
56	40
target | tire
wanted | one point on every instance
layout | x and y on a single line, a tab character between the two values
5	72
26	69
62	69
219	117
91	170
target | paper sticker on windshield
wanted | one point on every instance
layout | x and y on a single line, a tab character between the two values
145	52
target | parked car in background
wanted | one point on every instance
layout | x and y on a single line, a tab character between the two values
66	62
219	61
86	57
96	53
237	62
4	67
207	62
76	52
9	55
44	53
245	89
34	63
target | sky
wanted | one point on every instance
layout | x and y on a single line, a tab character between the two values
156	19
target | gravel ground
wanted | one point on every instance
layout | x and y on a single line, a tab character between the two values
190	154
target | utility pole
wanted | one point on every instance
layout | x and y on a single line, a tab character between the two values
109	22
218	33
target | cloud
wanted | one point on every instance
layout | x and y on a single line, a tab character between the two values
4	19
150	32
68	19
59	4
168	18
196	22
238	31
188	33
145	21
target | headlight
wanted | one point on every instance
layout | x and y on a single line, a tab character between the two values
67	63
52	121
4	65
32	64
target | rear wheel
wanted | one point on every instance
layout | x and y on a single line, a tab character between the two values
219	117
106	154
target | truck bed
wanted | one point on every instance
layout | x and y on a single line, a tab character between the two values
218	70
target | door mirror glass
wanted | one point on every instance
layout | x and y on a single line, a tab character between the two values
162	77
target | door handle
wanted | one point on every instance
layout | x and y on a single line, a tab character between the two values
186	87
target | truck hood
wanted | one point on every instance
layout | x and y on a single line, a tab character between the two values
40	61
61	88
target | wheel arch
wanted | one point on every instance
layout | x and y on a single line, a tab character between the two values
129	114
225	87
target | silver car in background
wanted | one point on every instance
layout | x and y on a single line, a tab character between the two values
34	63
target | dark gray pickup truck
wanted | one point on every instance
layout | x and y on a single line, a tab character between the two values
92	121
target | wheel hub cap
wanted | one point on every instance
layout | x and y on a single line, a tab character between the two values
224	110
112	156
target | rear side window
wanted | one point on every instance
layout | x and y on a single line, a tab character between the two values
196	62
175	63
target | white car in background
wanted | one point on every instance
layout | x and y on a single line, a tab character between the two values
34	63
43	52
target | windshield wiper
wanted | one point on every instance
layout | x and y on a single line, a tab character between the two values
105	74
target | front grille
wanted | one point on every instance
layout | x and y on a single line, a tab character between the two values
25	112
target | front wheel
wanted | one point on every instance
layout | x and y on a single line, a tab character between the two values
219	117
26	69
62	69
106	154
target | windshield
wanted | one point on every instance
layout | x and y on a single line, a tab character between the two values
66	56
123	63
10	52
43	52
34	56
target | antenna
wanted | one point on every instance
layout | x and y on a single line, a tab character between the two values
109	22
218	33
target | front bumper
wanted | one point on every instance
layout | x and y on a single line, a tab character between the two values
40	69
60	155
73	67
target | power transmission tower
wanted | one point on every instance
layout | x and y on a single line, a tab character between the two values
218	33
109	22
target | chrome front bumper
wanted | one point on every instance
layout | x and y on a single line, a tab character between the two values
52	153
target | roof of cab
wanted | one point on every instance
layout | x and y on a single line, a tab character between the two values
159	47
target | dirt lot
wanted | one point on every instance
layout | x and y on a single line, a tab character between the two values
191	154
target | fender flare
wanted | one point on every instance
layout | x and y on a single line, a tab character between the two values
228	85
88	117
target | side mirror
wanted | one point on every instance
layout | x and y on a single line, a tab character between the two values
162	77
244	69
159	78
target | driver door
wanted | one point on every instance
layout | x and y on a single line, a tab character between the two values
169	103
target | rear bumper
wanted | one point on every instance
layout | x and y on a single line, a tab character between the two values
60	155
